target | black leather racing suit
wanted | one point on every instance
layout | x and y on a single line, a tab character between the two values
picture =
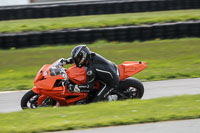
99	68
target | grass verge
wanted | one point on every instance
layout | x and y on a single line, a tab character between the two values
101	114
167	59
98	21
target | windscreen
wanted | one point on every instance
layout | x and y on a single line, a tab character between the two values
55	71
58	71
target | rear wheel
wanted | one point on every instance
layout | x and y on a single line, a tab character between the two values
131	88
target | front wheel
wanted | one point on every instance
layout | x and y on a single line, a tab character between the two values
131	88
29	100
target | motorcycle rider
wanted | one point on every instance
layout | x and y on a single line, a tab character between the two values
97	68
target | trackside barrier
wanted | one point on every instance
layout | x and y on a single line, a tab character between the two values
123	33
93	8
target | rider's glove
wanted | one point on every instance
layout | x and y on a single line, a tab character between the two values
61	62
76	89
73	88
68	61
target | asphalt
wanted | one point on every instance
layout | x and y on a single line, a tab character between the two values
176	87
10	101
183	126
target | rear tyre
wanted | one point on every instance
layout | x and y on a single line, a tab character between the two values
29	100
131	88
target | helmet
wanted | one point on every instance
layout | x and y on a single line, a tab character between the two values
80	55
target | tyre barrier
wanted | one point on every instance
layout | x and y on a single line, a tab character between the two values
123	33
93	8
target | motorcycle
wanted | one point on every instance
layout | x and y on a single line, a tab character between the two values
52	80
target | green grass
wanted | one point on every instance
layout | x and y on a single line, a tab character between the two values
101	114
167	59
98	21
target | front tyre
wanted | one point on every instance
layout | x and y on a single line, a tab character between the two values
131	88
29	100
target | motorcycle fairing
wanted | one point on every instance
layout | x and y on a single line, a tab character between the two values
129	68
49	83
59	95
39	75
77	75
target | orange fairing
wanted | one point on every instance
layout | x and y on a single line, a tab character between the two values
77	75
39	75
36	90
44	79
129	68
48	83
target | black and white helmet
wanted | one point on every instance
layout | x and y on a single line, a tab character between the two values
80	55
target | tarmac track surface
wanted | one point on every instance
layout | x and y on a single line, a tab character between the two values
10	101
182	126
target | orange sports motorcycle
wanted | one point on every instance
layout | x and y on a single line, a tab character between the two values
51	86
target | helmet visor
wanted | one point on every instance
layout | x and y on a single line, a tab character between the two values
77	60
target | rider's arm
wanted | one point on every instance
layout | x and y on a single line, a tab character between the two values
90	79
88	86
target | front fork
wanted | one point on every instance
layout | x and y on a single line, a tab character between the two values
41	98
